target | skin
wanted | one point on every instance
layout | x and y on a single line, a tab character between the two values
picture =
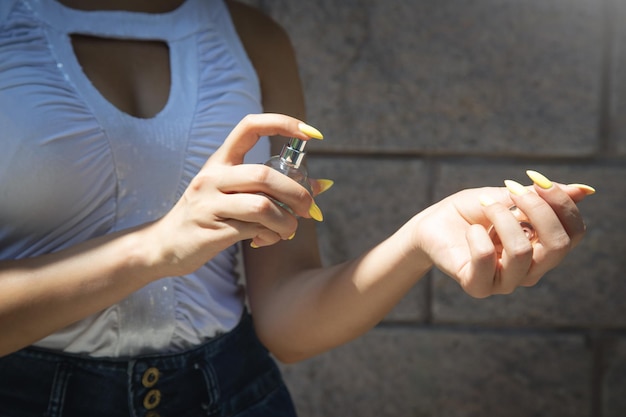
300	308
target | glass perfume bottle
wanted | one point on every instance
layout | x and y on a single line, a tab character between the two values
524	223
289	162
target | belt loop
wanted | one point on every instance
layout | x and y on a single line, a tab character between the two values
212	384
59	388
130	371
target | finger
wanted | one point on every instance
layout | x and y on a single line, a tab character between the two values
252	127
502	219
577	192
259	213
516	255
264	238
256	234
514	264
255	179
553	242
318	186
480	270
562	205
548	228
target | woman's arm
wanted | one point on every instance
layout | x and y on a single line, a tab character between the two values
41	295
224	204
314	310
301	309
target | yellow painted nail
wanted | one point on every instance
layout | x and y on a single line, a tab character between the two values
254	245
310	131
316	213
292	236
539	179
324	185
515	187
587	189
485	200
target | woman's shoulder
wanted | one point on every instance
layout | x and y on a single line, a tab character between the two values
270	50
261	35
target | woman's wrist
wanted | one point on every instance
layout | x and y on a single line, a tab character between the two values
413	232
411	260
143	255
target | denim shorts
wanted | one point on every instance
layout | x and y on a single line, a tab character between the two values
231	375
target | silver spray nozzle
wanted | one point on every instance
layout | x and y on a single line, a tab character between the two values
293	152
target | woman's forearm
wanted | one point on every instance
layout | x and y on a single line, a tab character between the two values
43	294
321	308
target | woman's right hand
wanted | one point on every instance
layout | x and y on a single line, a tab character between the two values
227	201
221	206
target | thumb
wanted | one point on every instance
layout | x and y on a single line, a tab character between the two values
252	127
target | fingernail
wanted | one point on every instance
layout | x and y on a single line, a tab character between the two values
316	213
254	245
292	236
310	131
515	187
324	185
587	189
539	179
485	200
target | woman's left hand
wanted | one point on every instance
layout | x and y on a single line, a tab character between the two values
454	234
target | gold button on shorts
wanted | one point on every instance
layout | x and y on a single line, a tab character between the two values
150	377
152	399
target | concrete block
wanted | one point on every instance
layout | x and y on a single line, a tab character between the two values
617	82
614	381
393	372
516	78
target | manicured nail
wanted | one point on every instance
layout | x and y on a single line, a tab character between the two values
292	236
254	245
310	131
316	213
485	200
584	188
539	179
515	187
324	185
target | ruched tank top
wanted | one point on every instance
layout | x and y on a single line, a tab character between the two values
74	167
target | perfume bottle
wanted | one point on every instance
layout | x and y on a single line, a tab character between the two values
289	162
524	223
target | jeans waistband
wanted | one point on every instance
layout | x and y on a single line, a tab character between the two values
223	376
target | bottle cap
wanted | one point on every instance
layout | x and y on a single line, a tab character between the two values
293	152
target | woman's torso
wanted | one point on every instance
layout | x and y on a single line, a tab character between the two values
94	143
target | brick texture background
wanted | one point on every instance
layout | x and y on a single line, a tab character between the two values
418	99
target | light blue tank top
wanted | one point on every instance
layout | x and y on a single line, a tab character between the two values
73	166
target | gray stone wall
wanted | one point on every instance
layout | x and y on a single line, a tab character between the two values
420	98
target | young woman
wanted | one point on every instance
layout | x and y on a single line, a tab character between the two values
123	196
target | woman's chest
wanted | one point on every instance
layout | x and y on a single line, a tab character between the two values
133	75
115	134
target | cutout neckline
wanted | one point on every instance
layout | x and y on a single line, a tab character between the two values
174	29
134	76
